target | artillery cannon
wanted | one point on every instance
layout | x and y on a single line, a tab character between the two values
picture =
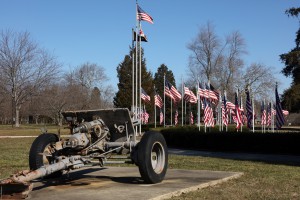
96	137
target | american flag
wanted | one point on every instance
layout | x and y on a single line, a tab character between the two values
208	114
145	117
285	112
214	94
176	117
189	96
269	115
144	96
224	112
158	101
263	114
238	115
191	118
279	114
249	109
172	91
230	105
161	117
142	15
201	91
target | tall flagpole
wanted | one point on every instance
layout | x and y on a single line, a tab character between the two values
136	67
242	115
154	108
182	92
164	100
140	74
198	103
253	114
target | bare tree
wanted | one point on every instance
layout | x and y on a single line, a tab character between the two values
260	79
206	54
25	68
90	75
230	71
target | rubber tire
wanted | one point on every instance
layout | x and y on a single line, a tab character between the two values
38	146
152	141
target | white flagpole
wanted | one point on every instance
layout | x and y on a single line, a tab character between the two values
242	115
171	112
198	109
253	114
154	108
164	100
140	74
182	92
137	112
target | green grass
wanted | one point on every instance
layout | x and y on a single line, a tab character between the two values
29	130
260	180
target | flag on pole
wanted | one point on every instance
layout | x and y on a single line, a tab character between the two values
213	93
172	92
189	96
176	117
269	115
140	36
143	16
144	96
279	114
249	111
238	113
191	118
158	101
201	91
263	114
208	114
224	112
161	117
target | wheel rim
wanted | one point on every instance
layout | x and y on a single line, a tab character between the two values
158	157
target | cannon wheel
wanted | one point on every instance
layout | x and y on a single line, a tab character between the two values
42	152
152	157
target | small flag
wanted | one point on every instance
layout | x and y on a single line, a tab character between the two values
224	112
142	15
279	114
158	101
140	36
191	118
238	115
144	96
176	117
161	117
249	109
172	91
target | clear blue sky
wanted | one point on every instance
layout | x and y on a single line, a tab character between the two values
99	31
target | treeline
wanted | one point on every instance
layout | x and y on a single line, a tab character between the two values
34	88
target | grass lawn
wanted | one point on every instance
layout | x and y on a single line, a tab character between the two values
260	180
30	130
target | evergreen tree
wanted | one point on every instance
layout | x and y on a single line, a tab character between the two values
123	98
291	96
159	85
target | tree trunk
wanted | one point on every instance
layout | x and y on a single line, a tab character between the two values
17	123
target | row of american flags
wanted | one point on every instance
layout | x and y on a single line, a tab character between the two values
208	97
212	102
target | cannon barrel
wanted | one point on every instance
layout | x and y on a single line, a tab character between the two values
18	185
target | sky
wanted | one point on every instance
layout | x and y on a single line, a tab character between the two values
99	31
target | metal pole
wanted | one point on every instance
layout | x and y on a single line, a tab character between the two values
164	100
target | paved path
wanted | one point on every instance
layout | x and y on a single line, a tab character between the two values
117	183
